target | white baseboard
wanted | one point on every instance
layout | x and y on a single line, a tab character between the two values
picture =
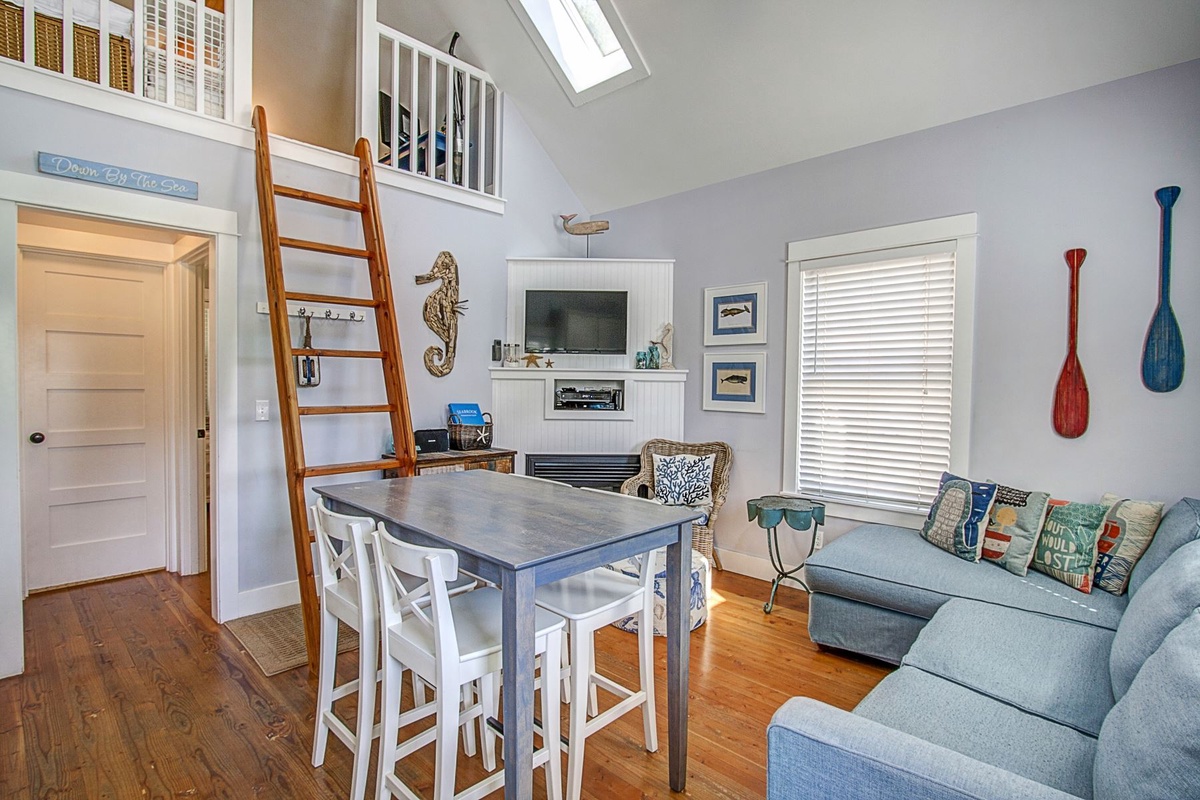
752	566
267	598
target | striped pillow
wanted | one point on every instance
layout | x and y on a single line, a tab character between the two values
1013	526
1128	528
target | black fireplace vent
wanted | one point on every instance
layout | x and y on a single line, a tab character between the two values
598	471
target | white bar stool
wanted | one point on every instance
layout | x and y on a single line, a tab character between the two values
588	602
449	642
347	593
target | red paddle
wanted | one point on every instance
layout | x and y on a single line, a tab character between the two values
1071	393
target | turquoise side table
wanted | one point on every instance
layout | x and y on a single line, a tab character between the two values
800	515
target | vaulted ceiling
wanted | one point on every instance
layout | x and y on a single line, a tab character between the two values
741	87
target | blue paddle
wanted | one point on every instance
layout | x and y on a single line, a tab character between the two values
1162	356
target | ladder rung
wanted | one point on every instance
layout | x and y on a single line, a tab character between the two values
321	351
308	297
317	197
356	466
313	410
322	247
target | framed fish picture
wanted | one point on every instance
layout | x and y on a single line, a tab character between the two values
736	314
735	382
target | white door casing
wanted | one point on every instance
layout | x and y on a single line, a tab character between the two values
23	191
92	381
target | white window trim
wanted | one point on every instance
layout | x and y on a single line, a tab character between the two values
963	230
637	66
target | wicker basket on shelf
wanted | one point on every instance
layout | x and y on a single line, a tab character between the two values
470	437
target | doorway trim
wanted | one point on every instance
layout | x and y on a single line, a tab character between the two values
22	190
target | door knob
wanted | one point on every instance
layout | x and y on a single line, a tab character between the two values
37	437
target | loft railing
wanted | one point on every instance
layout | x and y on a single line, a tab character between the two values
430	114
171	51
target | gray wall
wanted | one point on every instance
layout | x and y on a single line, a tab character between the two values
1077	170
417	228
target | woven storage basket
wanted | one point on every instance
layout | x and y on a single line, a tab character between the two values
470	437
48	43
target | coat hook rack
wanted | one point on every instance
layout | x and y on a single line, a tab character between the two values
320	312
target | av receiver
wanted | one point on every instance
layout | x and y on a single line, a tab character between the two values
569	398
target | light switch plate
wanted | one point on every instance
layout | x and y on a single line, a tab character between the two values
262	410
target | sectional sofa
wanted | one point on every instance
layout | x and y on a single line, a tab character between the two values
1008	686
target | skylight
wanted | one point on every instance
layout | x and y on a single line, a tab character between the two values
585	44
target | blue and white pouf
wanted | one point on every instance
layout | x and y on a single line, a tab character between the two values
698	603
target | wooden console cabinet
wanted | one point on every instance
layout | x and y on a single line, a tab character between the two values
493	459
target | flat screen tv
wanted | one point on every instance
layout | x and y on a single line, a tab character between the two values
576	322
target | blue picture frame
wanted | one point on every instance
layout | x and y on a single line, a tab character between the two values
735	314
735	382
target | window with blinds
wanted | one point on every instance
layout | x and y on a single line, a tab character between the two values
876	350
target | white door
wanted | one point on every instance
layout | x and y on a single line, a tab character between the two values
93	491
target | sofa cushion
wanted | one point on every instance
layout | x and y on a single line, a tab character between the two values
1149	746
861	628
1179	526
1164	601
1004	653
894	568
983	728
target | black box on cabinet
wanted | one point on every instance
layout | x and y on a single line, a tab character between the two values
432	440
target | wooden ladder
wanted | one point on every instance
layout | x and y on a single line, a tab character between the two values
388	354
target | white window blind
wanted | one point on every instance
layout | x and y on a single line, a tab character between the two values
876	356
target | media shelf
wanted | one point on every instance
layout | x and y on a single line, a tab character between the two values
523	399
591	395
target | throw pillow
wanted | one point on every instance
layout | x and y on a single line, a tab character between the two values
1066	550
683	480
1013	527
1128	528
956	515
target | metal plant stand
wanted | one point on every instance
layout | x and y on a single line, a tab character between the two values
800	515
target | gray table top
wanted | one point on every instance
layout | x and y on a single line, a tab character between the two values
507	520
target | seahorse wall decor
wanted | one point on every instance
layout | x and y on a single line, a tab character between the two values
442	309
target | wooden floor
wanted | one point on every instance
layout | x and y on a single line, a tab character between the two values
132	691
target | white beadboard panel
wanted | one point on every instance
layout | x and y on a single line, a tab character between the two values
649	282
525	422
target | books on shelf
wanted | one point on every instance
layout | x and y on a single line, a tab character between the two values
466	413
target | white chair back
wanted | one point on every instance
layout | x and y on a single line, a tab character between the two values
342	543
402	603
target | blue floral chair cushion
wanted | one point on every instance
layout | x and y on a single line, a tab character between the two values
683	480
698	602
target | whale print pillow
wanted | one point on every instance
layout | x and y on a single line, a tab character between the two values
957	516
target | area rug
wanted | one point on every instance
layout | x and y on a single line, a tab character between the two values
275	639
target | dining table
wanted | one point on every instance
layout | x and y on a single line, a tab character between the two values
521	533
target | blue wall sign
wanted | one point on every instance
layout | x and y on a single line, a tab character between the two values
123	177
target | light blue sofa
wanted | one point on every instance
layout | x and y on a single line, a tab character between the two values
1008	687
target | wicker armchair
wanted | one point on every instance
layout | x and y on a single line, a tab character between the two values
642	484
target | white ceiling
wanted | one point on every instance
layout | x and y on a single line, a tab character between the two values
740	87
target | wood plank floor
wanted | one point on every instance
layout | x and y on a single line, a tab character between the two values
132	691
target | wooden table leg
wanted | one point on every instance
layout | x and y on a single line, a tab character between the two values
679	587
518	635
